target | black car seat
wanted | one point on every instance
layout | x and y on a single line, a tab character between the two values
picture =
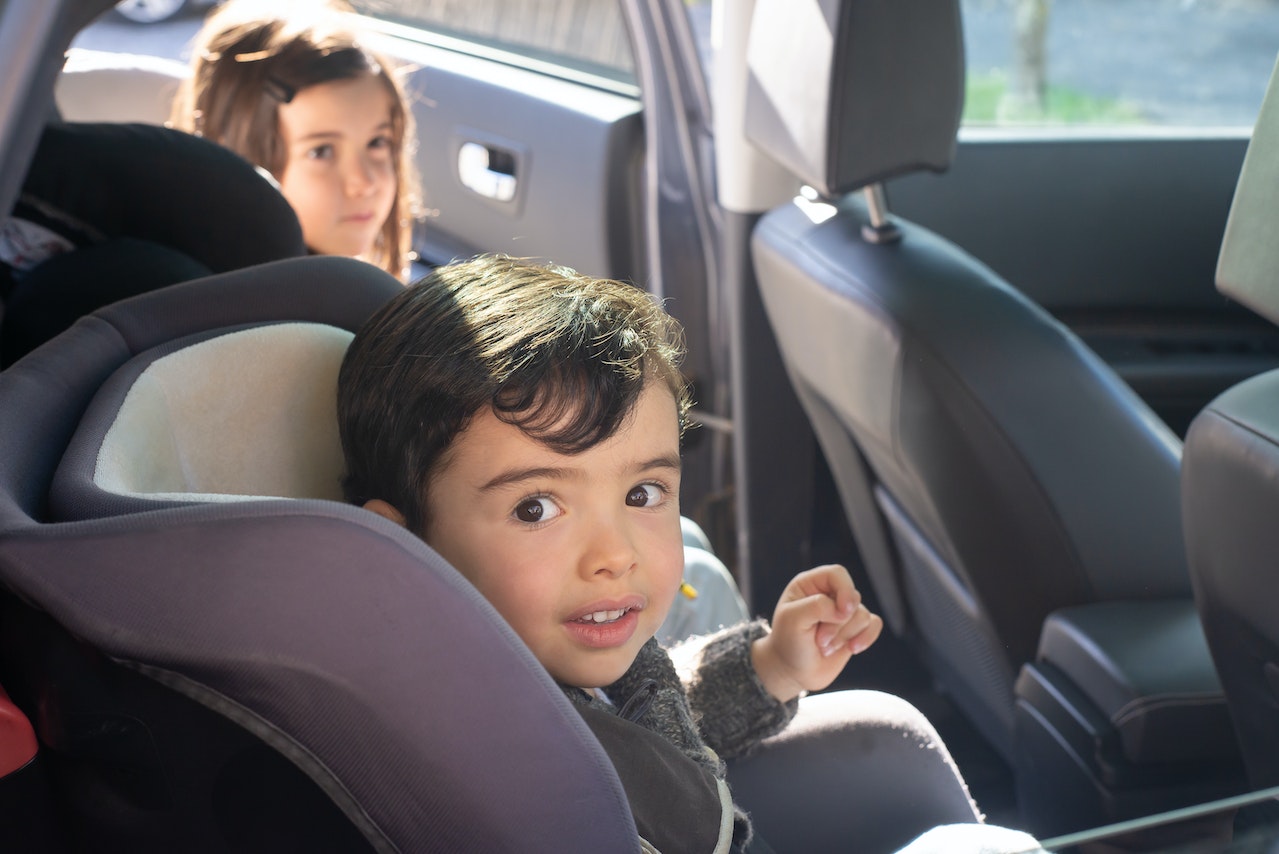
109	210
1014	502
1230	474
258	674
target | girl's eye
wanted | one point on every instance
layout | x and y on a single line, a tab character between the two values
644	495
320	152
381	143
534	510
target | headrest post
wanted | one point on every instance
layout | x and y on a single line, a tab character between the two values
881	228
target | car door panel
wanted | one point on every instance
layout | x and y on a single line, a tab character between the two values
524	162
1117	236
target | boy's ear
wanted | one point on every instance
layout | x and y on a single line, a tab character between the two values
386	511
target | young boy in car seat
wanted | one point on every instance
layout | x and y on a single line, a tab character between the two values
525	421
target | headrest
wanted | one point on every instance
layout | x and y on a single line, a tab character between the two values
1248	266
91	182
847	93
243	415
104	86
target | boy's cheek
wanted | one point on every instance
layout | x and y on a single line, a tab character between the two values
662	598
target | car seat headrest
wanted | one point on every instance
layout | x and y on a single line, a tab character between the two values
102	86
247	414
1248	266
847	93
91	182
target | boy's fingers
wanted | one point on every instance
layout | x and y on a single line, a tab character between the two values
830	580
869	633
814	609
858	632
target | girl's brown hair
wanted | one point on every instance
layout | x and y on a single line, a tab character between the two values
252	56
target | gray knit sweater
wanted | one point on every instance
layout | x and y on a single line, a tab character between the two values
719	703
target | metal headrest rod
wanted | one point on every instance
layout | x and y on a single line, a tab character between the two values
881	228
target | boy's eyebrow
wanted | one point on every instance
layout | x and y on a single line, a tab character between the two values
666	461
517	475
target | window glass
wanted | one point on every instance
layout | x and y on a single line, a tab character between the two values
1186	63
586	35
1126	63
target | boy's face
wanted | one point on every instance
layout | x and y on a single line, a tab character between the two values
339	171
581	554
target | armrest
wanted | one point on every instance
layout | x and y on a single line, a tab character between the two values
1146	666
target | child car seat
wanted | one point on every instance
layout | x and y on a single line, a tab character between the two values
262	674
112	210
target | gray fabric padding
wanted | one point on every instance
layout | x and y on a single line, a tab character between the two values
328	290
1248	267
846	93
250	413
875	775
350	647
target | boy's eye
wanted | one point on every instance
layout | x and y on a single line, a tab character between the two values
644	495
534	510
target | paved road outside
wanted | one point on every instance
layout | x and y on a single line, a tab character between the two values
1197	62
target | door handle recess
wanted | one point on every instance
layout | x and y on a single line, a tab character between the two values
487	170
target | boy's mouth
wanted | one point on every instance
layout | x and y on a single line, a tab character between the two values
602	616
606	623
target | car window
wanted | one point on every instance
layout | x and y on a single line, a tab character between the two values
1125	63
1186	63
589	36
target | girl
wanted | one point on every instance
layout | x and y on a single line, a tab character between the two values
293	89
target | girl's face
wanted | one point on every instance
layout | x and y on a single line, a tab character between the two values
339	172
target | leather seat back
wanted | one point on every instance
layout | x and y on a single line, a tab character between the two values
1230	475
993	468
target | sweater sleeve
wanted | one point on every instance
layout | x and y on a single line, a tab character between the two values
733	710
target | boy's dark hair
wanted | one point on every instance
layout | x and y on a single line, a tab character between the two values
560	355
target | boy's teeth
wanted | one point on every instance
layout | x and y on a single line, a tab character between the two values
603	616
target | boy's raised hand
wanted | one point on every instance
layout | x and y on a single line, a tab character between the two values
819	623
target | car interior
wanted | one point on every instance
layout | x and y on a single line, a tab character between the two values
1229	480
1028	533
989	428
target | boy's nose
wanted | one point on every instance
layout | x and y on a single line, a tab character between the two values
610	553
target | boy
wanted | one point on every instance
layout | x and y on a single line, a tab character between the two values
525	421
